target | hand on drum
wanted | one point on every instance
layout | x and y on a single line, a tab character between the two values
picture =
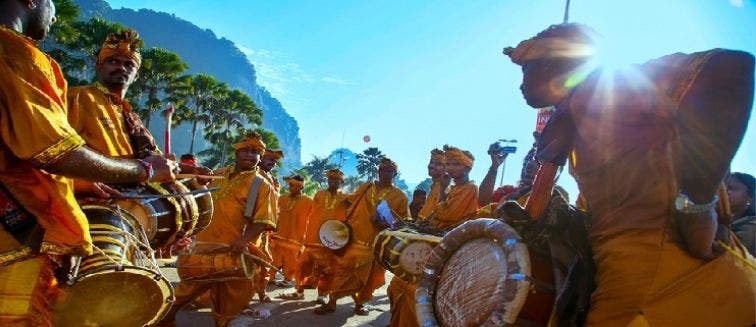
95	192
163	167
239	246
197	170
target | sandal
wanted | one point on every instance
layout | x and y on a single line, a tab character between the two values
324	309
291	296
264	298
361	311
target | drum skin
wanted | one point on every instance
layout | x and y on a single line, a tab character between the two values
480	275
403	256
112	288
204	205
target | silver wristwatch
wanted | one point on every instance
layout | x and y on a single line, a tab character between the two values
683	204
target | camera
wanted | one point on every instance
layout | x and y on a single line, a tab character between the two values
503	147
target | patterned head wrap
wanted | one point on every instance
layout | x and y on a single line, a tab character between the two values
295	180
251	140
462	156
273	154
437	155
125	43
573	41
335	173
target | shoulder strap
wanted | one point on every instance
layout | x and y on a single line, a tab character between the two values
254	189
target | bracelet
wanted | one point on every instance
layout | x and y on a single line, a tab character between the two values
147	167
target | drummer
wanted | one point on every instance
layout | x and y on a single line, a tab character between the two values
269	160
316	260
356	272
439	178
293	212
230	226
42	222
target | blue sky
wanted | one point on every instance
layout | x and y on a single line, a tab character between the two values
418	74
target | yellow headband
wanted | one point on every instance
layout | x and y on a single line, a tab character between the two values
125	43
335	173
253	140
293	181
275	154
437	155
549	47
464	157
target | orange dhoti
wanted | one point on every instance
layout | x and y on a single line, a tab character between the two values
357	273
228	298
25	290
401	294
647	279
316	262
285	252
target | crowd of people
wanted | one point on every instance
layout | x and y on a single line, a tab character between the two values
652	169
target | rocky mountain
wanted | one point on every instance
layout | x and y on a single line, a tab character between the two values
205	53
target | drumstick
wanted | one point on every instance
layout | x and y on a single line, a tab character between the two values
180	176
420	237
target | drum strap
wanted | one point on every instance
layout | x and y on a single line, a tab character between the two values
18	222
254	189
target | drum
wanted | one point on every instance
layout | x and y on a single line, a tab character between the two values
120	284
404	252
208	262
481	274
164	218
204	204
334	234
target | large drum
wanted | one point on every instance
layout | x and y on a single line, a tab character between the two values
481	274
165	216
120	284
208	262
404	251
334	234
204	204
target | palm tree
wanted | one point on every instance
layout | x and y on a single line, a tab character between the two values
157	80
368	161
317	168
351	183
201	93
235	111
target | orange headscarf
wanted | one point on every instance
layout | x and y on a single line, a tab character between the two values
437	155
274	154
386	162
252	140
125	43
335	173
464	157
295	180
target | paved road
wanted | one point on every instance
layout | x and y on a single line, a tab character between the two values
294	313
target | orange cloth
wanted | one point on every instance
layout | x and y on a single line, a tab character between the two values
25	291
624	145
461	204
356	271
229	297
125	43
432	201
34	132
97	115
286	242
316	260
401	294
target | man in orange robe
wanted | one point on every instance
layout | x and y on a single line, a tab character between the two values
461	202
293	212
42	222
649	146
356	272
270	159
316	260
230	226
439	178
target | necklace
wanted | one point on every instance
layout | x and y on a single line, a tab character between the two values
333	198
380	197
292	202
228	183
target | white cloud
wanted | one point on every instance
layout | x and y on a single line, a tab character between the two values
737	3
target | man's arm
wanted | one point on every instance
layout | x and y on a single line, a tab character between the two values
83	163
486	189
712	119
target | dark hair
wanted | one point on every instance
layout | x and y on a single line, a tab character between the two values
417	191
750	184
573	31
297	178
188	156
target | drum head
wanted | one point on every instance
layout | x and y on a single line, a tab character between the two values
476	276
132	297
413	257
334	234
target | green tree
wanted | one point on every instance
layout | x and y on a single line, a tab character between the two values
317	169
200	93
157	82
368	161
231	116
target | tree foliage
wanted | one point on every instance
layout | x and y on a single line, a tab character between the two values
368	161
